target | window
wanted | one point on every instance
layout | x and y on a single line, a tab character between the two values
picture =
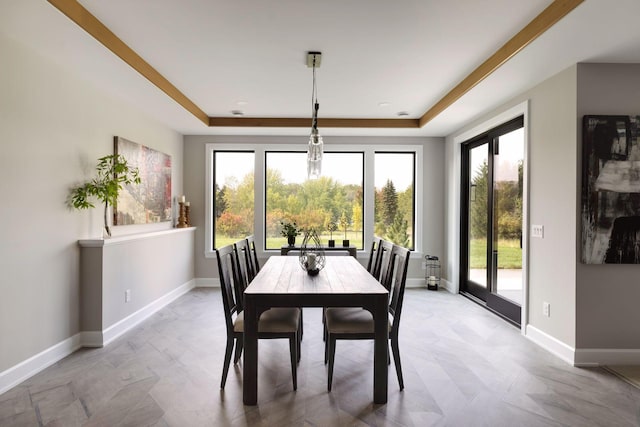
252	187
394	197
336	198
233	212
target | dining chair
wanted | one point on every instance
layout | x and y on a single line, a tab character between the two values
384	272
373	264
243	271
253	255
355	323
274	323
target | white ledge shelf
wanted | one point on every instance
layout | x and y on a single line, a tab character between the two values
98	243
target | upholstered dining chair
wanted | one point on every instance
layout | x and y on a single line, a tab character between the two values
355	323
273	323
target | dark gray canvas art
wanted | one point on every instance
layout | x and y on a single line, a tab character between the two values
610	190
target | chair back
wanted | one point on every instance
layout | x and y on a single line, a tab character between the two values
385	271
246	266
400	262
253	255
227	270
372	265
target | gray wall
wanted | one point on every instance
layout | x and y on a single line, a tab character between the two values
53	127
552	202
607	295
433	197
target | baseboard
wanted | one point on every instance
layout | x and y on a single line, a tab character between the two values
124	325
91	339
207	282
587	357
415	283
551	344
448	285
27	368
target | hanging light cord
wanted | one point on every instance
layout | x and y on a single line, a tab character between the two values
314	99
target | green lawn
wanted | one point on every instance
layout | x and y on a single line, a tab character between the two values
509	253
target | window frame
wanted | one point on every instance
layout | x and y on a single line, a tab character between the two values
260	150
415	202
330	151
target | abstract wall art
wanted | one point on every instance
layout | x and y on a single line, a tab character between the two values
150	201
610	190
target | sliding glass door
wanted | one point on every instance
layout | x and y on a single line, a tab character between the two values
491	228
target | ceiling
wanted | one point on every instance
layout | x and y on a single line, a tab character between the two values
378	57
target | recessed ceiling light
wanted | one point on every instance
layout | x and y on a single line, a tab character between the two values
384	104
237	112
403	113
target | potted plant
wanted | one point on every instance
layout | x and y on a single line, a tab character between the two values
290	231
331	226
112	172
344	223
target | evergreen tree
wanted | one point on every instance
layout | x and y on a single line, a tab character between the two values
398	232
478	202
389	203
221	203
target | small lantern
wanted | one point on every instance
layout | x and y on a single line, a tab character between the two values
311	253
432	274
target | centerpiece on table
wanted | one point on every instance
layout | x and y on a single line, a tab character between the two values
312	257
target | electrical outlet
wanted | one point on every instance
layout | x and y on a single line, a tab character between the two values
424	265
546	309
537	231
127	295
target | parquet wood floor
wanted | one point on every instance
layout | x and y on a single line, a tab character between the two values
462	367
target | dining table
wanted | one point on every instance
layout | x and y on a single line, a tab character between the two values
343	282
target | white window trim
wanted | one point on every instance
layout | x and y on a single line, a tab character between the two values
259	201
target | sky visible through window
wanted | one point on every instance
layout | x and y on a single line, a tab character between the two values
337	165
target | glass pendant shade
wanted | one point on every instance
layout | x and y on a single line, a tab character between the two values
314	155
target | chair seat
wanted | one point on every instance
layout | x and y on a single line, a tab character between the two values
277	320
350	320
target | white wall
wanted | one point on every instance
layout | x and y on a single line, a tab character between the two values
53	127
552	202
607	295
432	197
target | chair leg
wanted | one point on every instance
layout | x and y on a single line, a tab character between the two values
332	353
324	328
227	361
293	349
326	350
239	344
301	324
299	342
396	359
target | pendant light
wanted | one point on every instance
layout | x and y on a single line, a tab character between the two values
314	153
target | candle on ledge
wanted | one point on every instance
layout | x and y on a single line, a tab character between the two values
187	203
182	199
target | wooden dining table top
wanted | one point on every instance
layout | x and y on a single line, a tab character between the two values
340	275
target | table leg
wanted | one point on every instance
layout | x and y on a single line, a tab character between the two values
380	349
250	362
